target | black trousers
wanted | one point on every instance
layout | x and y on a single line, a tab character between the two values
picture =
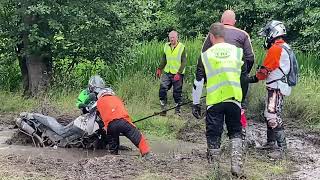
118	126
166	83
216	115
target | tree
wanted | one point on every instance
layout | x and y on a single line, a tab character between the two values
45	32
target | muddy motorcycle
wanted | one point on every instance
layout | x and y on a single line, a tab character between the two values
44	130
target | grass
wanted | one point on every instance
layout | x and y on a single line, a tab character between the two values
138	87
135	82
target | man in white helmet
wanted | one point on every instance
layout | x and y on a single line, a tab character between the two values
274	70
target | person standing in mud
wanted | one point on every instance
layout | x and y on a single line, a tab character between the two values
117	121
220	66
241	39
276	67
173	63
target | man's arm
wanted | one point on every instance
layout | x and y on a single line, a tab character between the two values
248	54
198	82
163	62
183	61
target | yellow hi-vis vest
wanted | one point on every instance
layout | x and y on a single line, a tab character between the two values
173	58
222	63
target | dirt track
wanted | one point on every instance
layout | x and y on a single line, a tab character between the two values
172	159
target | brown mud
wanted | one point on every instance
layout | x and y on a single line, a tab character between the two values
172	159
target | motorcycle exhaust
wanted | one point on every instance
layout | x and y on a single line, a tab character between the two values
29	130
25	126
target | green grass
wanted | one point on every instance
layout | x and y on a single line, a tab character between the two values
134	80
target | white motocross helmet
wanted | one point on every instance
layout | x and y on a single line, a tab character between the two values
271	31
106	92
96	83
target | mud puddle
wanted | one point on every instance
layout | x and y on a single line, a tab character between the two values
303	150
171	160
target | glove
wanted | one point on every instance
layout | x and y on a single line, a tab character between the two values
243	119
158	72
93	97
177	77
252	79
262	73
196	111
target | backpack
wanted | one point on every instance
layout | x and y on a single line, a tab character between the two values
292	77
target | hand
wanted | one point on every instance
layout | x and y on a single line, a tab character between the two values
262	73
93	97
177	77
158	73
252	79
196	111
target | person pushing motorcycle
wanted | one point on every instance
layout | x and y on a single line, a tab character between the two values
117	121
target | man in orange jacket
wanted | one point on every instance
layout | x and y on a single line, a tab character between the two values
117	120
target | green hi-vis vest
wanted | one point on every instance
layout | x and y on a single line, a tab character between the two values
173	58
222	63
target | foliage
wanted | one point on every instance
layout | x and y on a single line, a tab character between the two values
159	18
74	31
301	17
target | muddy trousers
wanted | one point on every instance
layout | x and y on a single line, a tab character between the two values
216	115
167	82
121	126
272	114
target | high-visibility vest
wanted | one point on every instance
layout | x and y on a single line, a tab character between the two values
222	63
173	58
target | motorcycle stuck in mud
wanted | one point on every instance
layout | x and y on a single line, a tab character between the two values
83	132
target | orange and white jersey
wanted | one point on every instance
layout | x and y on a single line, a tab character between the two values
278	63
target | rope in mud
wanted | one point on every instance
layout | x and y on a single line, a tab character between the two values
157	113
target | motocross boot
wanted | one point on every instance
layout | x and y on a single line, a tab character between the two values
271	140
213	156
163	105
236	157
280	152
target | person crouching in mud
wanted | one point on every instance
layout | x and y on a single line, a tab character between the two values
116	120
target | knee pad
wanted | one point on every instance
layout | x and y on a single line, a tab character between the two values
275	123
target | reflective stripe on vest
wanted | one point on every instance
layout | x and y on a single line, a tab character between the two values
173	58
222	63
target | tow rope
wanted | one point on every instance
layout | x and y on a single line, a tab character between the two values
157	113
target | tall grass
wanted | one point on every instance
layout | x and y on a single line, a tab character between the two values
134	79
301	105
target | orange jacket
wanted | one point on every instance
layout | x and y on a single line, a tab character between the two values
272	60
111	108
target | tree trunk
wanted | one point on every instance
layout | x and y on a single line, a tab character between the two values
24	73
39	73
35	66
